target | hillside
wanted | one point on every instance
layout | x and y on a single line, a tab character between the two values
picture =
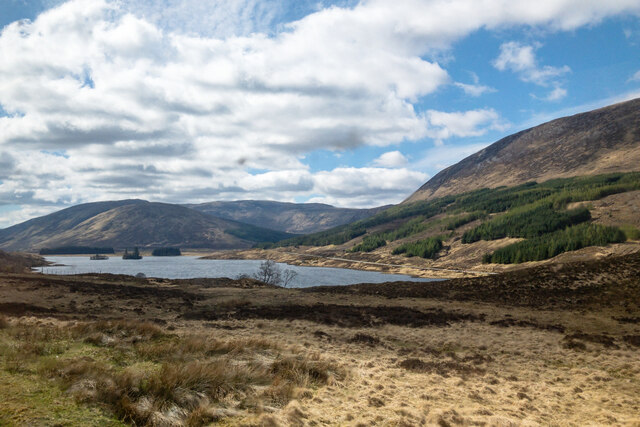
600	141
297	218
129	223
564	190
486	230
19	263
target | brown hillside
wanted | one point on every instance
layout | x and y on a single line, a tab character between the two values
130	223
596	142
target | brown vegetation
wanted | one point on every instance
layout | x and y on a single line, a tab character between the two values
147	376
19	263
553	345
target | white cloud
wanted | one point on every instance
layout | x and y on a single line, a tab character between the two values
635	77
521	59
362	187
443	125
474	89
556	94
181	100
213	18
391	159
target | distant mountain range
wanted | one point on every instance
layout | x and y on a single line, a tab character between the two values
297	218
597	142
128	223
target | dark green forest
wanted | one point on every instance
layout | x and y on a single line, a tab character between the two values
531	222
427	248
166	252
552	244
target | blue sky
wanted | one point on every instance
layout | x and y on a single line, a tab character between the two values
348	103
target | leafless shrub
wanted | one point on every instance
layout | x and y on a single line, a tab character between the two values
270	273
288	276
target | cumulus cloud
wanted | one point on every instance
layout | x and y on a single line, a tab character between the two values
474	89
362	187
556	94
443	125
391	159
213	18
521	59
177	101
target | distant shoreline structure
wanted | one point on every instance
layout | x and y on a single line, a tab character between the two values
132	255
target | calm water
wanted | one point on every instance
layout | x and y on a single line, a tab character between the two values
187	267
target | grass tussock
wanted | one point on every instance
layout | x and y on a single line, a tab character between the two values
444	368
120	329
307	370
4	322
194	347
142	375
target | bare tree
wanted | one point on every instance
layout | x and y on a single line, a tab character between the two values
269	273
288	276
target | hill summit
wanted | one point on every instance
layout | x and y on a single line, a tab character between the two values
596	142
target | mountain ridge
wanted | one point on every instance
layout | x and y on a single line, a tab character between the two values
589	143
132	222
297	218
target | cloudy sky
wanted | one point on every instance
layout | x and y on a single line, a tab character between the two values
351	103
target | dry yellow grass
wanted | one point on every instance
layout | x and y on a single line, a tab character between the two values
469	374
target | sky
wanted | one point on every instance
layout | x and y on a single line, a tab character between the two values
350	103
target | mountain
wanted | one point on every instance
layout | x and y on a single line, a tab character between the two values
298	218
128	223
597	142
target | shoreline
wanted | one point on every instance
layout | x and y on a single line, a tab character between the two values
317	260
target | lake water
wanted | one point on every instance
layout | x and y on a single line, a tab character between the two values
188	267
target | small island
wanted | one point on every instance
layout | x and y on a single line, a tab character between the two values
132	255
166	252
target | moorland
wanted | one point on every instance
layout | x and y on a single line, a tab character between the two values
549	345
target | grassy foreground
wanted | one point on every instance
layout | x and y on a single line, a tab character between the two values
551	345
128	372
